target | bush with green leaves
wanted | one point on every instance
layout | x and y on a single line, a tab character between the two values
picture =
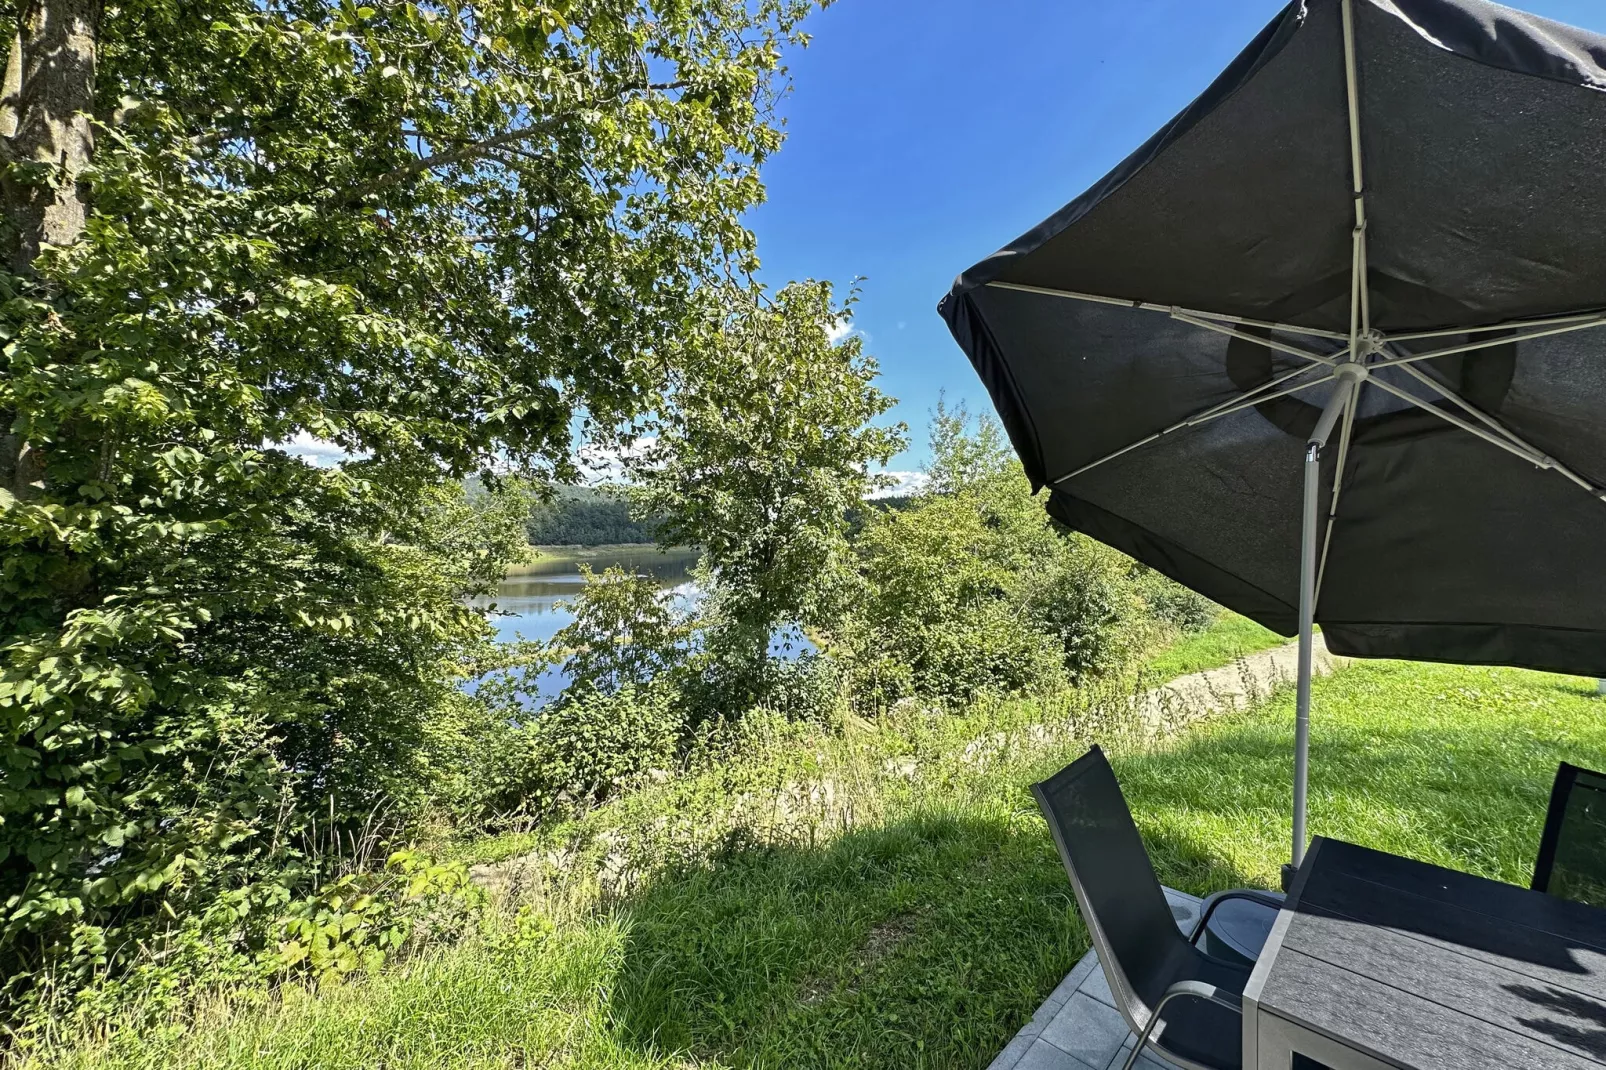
357	921
1169	602
971	588
202	743
1087	601
566	755
589	744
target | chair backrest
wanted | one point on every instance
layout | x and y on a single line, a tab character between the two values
1572	851
1126	912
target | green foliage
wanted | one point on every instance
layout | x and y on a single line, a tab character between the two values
586	516
589	744
570	754
428	235
153	767
621	715
625	631
1172	604
757	462
971	588
1086	600
352	924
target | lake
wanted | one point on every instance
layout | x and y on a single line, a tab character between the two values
530	604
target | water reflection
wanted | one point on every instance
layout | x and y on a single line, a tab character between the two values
531	605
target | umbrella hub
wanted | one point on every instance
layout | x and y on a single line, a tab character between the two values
1370	343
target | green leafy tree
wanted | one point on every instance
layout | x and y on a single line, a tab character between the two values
429	234
587	516
757	459
625	631
965	458
972	588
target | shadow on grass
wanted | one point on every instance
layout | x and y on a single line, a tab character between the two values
930	942
925	944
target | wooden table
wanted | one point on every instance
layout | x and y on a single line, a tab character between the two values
1378	961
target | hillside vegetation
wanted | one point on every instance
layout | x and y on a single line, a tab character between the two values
586	516
888	896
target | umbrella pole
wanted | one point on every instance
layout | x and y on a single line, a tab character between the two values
1353	371
1309	537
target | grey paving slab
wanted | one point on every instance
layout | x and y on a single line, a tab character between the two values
1098	987
1044	1056
1067	988
1077	1027
1087	1030
1010	1057
1149	1060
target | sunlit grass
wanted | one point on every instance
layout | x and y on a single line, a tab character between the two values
889	897
1228	638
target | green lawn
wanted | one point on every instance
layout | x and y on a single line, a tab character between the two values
890	898
1230	637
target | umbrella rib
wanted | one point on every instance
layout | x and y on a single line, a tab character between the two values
1225	408
1528	336
1499	428
1532	456
1281	347
1344	433
1360	296
1582	318
1150	306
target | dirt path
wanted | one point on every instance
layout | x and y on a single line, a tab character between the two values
1243	683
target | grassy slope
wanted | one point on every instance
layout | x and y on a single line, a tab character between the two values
925	933
1230	637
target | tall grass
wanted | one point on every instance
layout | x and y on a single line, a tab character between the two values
886	895
1229	636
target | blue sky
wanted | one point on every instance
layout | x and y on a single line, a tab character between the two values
924	134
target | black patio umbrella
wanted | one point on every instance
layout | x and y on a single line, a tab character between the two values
1326	347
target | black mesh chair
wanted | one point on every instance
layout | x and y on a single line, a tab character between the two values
1175	997
1572	851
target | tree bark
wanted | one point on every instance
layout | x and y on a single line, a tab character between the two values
48	98
11	89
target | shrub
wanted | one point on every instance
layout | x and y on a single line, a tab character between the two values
589	743
1087	601
355	922
571	753
1169	602
972	588
719	687
190	742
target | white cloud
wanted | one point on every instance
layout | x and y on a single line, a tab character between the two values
606	464
317	451
838	330
902	483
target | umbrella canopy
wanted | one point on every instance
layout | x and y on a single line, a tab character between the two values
1162	350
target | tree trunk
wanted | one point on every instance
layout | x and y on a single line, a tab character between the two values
48	97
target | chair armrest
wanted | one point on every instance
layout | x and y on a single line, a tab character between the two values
1208	907
1225	997
1193	990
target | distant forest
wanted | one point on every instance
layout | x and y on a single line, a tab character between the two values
585	516
599	516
